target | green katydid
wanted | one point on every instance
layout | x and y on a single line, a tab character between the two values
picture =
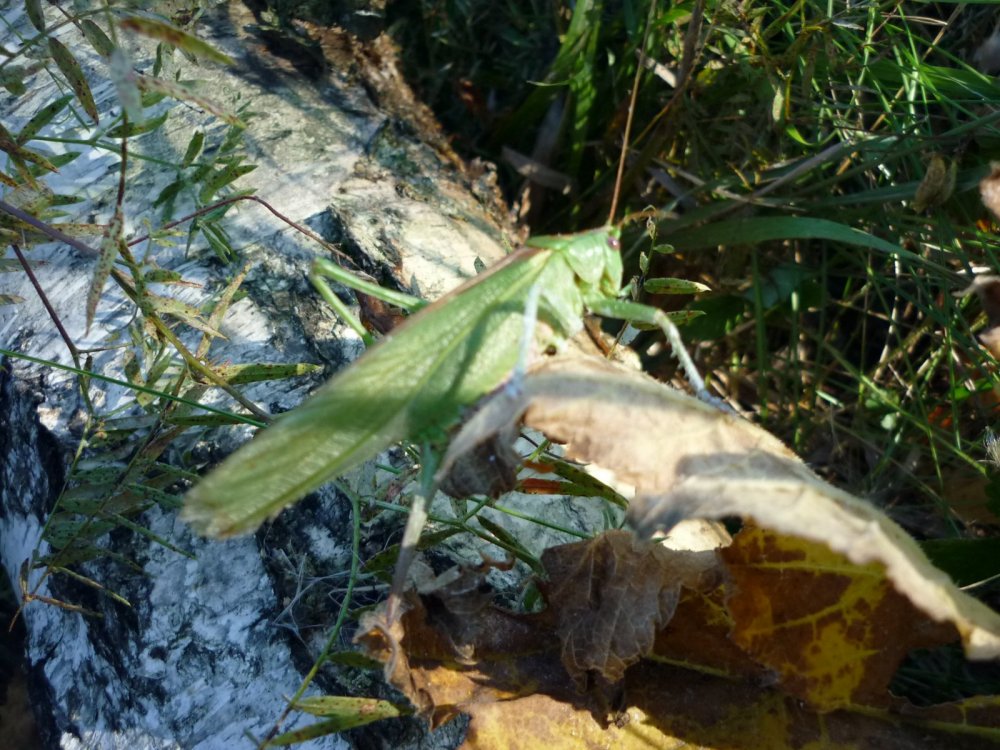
438	362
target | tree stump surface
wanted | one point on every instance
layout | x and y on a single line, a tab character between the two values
207	651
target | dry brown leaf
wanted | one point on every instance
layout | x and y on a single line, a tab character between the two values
794	649
481	459
505	671
698	638
688	460
833	633
610	595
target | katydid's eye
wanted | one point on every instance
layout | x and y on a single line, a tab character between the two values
614	243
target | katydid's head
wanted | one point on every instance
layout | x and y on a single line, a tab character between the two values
614	238
612	279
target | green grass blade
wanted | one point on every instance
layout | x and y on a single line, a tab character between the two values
767	228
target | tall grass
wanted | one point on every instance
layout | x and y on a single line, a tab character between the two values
768	133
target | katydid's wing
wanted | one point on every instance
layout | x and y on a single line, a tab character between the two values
420	376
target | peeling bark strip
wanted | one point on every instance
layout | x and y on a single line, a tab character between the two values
208	648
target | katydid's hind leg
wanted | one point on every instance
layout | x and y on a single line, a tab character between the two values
411	534
407	552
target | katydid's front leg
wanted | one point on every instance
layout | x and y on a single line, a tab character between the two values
411	534
431	480
633	311
324	268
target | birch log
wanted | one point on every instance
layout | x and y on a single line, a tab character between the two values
209	647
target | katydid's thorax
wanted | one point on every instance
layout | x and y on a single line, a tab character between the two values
581	267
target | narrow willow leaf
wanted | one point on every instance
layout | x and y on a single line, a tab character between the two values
10	299
60	160
107	255
168	194
17	88
140	529
124	77
677	317
202	420
99	473
354	659
14	75
209	217
78	553
667	285
7	180
30	199
256	373
91	583
186	94
133	373
182	311
13	265
85	500
64	528
233	139
579	482
149	98
171	473
312	731
222	178
129	424
341	705
510	543
138	128
70	68
20	154
97	38
35	14
218	241
193	148
230	293
42	118
62	199
381	564
162	276
162	31
83	232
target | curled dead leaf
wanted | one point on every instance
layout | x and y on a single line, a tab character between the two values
701	687
832	633
481	459
689	460
610	595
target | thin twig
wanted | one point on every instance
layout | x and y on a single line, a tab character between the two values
628	120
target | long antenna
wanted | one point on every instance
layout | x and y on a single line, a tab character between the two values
631	112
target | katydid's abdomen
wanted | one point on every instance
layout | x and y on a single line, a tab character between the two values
417	379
